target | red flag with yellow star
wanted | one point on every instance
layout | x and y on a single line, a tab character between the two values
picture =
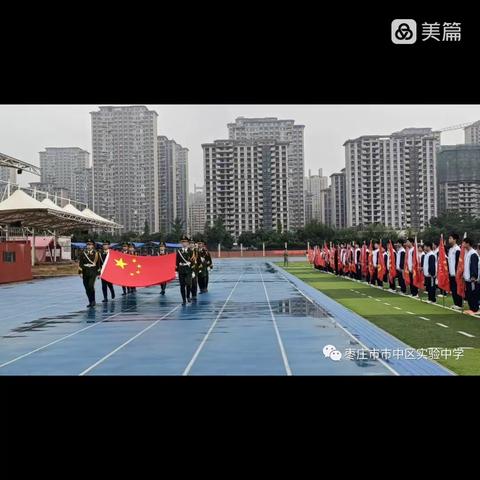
138	271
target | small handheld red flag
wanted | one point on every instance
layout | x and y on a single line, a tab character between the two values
418	277
459	275
443	277
381	262
138	271
392	269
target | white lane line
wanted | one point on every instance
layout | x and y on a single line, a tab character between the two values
96	364
377	300
275	326
369	296
425	318
441	325
385	303
397	308
466	334
62	338
410	313
364	294
212	326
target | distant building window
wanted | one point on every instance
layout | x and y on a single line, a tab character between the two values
9	257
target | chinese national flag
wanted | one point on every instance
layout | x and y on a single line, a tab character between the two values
443	277
459	275
381	263
418	277
363	259
138	271
392	269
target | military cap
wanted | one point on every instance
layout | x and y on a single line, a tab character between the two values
90	241
184	239
162	244
106	242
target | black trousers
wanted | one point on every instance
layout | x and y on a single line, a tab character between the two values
401	281
472	295
194	286
205	280
457	299
89	277
163	286
431	288
413	288
105	287
373	278
185	280
129	289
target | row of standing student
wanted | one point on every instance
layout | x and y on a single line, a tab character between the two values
428	259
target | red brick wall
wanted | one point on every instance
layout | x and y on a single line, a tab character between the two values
257	253
21	269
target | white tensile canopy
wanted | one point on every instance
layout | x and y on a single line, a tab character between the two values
29	212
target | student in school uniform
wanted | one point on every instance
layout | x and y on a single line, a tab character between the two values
470	276
453	256
429	265
386	278
409	255
400	265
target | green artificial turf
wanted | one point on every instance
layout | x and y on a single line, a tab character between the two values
409	328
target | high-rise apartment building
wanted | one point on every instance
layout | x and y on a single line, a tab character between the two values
173	183
392	179
271	128
458	174
196	211
472	133
125	166
338	200
314	199
246	184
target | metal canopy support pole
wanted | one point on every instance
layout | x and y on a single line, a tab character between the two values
54	246
241	249
33	247
263	248
219	251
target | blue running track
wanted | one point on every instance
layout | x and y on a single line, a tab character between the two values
256	319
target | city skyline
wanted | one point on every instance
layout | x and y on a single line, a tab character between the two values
25	130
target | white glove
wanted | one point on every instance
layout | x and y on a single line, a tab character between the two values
193	275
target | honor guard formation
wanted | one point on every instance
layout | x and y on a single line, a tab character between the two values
193	263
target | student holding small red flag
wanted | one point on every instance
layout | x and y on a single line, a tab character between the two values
363	261
443	279
371	263
453	258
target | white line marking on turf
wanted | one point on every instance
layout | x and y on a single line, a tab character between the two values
441	325
212	326
62	338
467	335
425	318
410	313
377	300
385	303
275	326
96	364
397	308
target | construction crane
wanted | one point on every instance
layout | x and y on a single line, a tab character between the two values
19	165
455	127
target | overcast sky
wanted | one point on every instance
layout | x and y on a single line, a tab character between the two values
27	129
